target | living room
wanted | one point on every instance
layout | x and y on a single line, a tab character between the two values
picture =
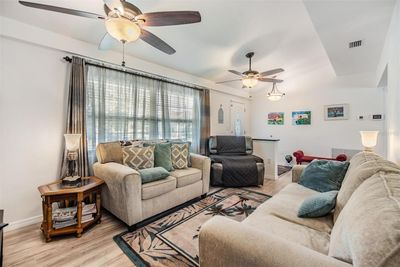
265	78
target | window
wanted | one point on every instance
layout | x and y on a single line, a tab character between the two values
125	106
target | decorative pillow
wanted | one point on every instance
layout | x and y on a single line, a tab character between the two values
138	157
318	205
324	175
182	142
153	174
162	156
179	155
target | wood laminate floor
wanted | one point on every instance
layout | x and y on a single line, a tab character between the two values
27	247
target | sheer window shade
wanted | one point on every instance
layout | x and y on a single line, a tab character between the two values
123	106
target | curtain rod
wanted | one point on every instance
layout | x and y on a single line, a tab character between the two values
111	66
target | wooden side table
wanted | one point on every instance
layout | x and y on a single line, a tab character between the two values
89	191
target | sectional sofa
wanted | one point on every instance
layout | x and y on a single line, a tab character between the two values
363	230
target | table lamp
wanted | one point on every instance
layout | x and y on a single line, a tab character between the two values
369	139
72	142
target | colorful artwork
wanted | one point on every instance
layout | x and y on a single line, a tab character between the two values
276	118
301	117
337	112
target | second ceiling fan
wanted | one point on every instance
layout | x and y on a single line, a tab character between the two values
251	77
125	22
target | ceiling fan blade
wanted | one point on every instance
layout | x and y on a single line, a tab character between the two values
107	42
156	42
236	72
270	80
271	72
170	18
63	10
229	81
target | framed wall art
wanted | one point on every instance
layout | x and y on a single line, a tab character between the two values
336	112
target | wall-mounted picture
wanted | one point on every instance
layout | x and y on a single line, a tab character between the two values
301	117
220	115
276	118
336	112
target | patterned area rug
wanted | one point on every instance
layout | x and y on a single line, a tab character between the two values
173	239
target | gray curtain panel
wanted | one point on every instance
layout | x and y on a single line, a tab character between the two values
76	117
125	106
205	121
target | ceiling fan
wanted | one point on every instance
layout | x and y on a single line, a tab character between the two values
126	22
251	77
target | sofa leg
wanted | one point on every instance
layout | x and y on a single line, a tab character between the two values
203	196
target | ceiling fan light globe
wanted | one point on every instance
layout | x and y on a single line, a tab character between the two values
123	29
249	82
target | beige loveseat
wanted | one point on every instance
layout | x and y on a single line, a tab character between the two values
364	229
127	198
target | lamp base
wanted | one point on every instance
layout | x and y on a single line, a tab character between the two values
72	181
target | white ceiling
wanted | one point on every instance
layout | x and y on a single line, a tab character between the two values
299	37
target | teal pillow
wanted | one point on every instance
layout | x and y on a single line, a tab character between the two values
324	175
162	156
153	174
318	205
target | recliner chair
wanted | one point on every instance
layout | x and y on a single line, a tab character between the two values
239	152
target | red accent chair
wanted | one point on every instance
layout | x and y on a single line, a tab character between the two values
300	157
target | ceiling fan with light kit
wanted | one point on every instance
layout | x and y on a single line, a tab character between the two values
126	23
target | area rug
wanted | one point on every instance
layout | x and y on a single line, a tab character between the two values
283	169
173	239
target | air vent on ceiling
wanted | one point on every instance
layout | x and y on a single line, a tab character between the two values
355	44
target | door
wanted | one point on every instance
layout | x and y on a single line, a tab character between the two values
237	118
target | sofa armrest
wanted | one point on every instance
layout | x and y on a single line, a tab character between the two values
202	163
123	194
297	170
225	242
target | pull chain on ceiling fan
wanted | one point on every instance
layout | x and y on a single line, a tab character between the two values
125	22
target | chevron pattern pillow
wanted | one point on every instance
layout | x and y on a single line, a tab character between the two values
138	157
179	155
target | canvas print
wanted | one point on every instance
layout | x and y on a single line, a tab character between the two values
301	117
276	118
337	112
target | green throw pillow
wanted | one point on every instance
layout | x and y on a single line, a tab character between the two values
153	174
324	175
162	156
318	205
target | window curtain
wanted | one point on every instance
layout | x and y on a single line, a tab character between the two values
124	106
76	118
205	121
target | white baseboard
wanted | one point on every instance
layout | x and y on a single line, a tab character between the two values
21	223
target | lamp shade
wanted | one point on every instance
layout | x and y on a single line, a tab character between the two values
249	82
123	29
72	141
369	139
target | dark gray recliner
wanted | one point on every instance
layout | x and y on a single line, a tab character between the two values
232	162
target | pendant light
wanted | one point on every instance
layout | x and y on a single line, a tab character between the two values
275	94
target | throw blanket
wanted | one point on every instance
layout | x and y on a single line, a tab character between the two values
238	170
227	144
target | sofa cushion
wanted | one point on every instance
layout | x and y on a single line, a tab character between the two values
109	152
300	234
157	188
153	174
362	166
186	176
324	175
318	205
138	157
286	204
179	155
367	231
